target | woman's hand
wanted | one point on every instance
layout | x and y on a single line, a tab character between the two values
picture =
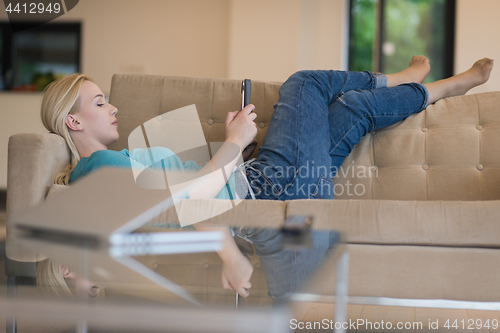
240	126
236	273
236	268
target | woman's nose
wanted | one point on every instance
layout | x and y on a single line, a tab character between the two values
115	110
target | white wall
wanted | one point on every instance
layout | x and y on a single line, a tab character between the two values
163	37
324	32
269	40
263	38
258	39
477	28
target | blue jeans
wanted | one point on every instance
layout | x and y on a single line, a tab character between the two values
286	269
319	117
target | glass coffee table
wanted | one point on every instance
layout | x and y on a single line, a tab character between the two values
174	284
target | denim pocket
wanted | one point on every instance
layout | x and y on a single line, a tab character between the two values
324	188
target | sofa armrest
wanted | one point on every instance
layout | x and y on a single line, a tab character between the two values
33	162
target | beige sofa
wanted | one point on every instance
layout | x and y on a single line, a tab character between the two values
419	203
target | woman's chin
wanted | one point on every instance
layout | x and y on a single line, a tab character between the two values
112	140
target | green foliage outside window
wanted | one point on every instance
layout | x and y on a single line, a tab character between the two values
362	34
409	27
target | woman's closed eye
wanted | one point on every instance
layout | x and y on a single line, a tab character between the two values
100	104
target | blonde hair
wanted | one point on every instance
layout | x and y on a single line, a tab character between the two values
50	280
62	97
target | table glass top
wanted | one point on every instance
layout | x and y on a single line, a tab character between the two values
186	272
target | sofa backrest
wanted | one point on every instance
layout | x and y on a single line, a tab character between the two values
447	152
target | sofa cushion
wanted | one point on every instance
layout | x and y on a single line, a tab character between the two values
251	213
437	223
424	272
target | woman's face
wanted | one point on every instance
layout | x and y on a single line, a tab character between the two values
96	117
80	285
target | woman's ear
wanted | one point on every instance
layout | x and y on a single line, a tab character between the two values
65	272
73	123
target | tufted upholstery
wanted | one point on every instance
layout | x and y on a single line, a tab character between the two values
446	152
142	97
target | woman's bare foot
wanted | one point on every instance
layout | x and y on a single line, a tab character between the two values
417	72
478	74
461	83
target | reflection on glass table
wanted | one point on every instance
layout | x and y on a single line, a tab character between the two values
180	268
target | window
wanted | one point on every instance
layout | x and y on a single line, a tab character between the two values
31	59
384	34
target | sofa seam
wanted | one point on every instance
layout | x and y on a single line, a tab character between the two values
373	163
425	158
479	148
161	93
211	117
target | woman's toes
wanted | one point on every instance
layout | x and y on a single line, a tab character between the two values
483	69
419	60
419	68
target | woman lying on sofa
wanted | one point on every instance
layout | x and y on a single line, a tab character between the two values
319	117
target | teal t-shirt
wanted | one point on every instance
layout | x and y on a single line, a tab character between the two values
156	157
